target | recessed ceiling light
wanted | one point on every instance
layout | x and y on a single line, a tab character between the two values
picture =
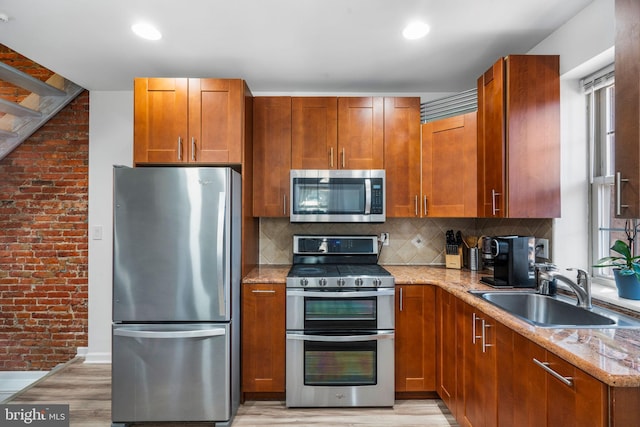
146	31
415	30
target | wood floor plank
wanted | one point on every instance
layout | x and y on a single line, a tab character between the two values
86	388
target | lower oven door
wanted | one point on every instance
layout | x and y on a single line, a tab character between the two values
340	370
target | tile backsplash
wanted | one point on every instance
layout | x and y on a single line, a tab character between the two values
418	241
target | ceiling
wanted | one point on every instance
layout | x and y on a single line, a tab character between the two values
281	46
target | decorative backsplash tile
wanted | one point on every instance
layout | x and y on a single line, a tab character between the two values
418	241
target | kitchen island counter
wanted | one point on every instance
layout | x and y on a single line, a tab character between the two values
610	355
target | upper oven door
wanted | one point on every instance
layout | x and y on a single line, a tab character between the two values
337	196
340	309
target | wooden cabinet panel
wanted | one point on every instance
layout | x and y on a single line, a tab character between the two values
519	138
415	354
160	120
215	120
263	338
314	138
361	133
271	156
627	106
447	350
449	167
402	156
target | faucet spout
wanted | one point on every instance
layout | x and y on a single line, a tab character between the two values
582	287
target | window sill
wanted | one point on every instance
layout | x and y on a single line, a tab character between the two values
609	295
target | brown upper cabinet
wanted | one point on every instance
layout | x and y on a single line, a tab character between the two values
449	167
180	120
271	155
519	138
314	138
627	109
360	133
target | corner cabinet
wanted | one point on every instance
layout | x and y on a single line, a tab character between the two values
627	109
519	138
263	340
449	167
415	353
271	156
182	121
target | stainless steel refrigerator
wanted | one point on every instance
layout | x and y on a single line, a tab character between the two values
176	294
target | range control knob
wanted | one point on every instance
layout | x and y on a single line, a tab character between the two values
340	282
358	282
322	282
377	282
304	282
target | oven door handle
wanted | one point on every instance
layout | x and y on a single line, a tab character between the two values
345	294
380	335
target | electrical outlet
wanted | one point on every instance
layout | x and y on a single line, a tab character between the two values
384	238
542	248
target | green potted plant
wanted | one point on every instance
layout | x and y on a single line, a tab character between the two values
626	270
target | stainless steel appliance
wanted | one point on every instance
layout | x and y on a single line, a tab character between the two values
337	196
513	262
176	282
340	324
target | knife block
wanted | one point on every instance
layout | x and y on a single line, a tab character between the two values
454	260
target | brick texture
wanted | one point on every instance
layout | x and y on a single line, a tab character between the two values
43	236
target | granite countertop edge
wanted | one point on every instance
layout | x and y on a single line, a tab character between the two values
610	355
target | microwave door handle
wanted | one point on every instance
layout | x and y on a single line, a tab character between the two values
367	196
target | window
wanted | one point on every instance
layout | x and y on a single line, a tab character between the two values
605	228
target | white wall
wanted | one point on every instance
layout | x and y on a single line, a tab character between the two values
586	36
585	45
110	143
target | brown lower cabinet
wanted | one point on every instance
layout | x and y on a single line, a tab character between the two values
263	340
489	375
415	356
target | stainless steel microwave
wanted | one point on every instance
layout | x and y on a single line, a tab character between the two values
337	195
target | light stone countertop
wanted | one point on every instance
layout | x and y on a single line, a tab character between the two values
610	355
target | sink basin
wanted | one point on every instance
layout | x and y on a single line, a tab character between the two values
555	312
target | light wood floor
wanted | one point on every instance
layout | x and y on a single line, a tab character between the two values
86	388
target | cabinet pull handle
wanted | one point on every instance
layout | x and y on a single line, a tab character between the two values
426	212
401	300
568	381
494	208
179	148
284	204
343	158
263	291
473	328
193	149
484	336
331	157
416	203
619	181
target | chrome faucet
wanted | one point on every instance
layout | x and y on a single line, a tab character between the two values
547	277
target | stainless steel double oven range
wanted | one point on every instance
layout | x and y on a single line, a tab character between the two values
340	324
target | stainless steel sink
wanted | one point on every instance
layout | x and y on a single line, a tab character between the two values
555	312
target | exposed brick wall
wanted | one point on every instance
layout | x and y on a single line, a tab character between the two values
44	241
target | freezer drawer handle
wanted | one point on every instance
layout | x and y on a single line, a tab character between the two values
341	338
200	333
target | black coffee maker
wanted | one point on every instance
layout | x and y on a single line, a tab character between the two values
513	262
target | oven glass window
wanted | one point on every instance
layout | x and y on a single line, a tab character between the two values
334	196
340	313
340	364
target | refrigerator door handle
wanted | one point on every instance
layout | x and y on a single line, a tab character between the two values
222	207
201	333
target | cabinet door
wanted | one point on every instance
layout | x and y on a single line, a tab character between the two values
627	108
480	372
271	156
160	120
215	120
361	133
263	338
402	156
449	167
314	137
415	339
491	142
446	373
